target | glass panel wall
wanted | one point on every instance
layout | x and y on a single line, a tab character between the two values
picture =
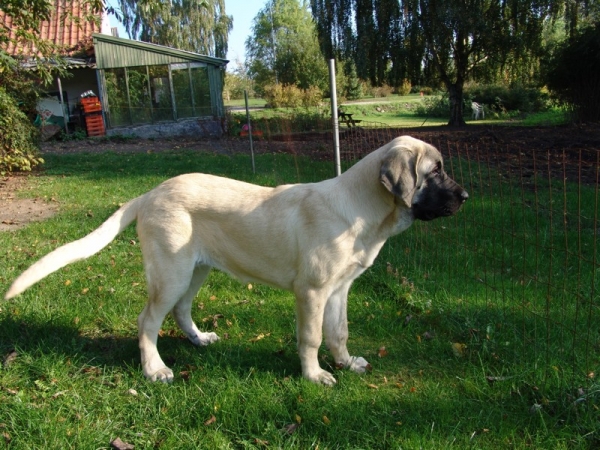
201	91
181	88
140	95
116	91
161	93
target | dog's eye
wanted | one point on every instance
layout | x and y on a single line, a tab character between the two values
437	170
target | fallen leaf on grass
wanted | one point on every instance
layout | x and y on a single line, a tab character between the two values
118	444
261	442
210	421
326	420
9	358
58	394
373	386
382	352
428	335
491	379
392	270
259	337
291	428
458	349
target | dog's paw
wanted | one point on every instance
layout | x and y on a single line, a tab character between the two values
203	339
164	375
358	365
321	377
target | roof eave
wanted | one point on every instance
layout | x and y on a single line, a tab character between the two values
184	54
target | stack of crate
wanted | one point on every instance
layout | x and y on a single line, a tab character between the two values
92	110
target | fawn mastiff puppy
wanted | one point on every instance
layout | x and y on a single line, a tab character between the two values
313	239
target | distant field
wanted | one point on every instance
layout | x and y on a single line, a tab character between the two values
395	110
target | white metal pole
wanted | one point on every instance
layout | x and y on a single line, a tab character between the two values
249	130
334	118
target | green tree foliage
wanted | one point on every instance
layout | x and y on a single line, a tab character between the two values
20	88
237	81
425	40
18	140
573	73
200	26
283	47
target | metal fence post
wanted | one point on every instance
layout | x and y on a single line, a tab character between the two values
334	118
249	130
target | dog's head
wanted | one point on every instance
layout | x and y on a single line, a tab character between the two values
413	171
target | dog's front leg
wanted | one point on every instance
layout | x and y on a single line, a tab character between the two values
336	331
310	306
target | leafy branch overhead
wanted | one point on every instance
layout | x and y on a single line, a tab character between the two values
200	26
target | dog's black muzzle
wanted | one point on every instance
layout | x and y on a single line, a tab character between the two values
439	199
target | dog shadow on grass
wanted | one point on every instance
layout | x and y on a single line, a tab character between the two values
29	342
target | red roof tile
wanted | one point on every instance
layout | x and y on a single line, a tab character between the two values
67	28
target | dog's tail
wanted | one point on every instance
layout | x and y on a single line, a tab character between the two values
77	250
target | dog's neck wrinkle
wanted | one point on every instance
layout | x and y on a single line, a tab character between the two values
382	214
376	202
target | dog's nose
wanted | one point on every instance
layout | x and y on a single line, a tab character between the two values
464	196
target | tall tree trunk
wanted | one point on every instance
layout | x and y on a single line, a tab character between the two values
455	92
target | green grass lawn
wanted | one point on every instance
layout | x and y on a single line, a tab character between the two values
473	342
393	111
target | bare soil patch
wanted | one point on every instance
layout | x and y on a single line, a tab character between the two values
508	147
17	212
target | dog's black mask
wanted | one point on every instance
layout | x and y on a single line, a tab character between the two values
440	196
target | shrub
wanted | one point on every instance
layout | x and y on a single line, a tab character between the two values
502	99
352	86
298	121
382	91
290	96
572	74
433	106
376	91
313	96
404	88
18	139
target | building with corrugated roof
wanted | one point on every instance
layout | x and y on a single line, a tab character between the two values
144	89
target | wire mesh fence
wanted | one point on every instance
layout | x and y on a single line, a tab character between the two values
518	266
517	271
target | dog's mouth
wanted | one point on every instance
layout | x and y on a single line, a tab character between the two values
445	210
424	215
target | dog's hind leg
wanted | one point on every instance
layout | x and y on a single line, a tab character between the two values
165	289
335	325
182	312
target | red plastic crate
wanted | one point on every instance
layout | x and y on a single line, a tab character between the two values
95	125
91	104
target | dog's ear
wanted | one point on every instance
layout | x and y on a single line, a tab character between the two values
398	172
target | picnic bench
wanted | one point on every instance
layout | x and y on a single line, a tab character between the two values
347	119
